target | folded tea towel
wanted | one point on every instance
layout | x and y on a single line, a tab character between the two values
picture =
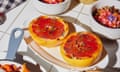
6	5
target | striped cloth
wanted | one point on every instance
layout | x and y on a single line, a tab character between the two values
6	5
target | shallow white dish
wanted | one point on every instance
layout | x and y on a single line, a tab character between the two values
98	28
51	9
27	58
53	56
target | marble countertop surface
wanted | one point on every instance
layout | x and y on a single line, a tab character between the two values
77	12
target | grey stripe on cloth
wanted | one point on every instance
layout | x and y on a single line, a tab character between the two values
6	5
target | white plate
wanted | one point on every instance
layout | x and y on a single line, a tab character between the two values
53	56
26	58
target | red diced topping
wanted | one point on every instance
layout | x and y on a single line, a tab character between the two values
108	16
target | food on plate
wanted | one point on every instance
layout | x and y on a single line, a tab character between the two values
108	16
52	1
81	49
10	68
48	31
13	68
24	68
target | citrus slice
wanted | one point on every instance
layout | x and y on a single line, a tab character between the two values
48	31
81	49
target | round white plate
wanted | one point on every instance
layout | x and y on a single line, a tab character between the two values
26	58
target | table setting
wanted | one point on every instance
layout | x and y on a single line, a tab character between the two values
60	35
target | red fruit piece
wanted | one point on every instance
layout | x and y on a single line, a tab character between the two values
50	1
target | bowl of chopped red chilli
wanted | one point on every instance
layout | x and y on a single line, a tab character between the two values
105	18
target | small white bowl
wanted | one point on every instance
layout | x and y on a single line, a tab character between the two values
52	9
98	28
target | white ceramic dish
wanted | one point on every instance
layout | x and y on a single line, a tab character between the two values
51	9
53	56
26	58
98	28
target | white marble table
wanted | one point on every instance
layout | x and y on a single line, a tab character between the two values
18	16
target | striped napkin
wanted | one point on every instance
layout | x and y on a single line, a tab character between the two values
6	5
